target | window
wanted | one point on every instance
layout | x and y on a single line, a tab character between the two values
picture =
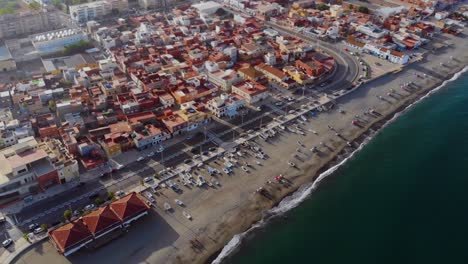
21	171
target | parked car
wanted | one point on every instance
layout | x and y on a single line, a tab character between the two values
140	159
6	243
148	179
89	207
38	230
33	226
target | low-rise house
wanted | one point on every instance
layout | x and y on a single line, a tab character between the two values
225	105
174	123
192	116
147	136
251	91
274	75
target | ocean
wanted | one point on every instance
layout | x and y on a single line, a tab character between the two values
402	199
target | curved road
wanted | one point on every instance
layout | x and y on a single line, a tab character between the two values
347	67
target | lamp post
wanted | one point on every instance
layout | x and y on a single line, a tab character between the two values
162	156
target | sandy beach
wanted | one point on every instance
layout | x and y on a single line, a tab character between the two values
220	213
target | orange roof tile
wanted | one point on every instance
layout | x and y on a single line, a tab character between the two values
129	206
70	235
100	219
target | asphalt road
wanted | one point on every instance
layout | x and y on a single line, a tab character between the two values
77	197
346	71
347	67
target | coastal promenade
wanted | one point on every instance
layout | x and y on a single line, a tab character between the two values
220	213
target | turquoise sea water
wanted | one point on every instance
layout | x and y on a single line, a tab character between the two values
402	199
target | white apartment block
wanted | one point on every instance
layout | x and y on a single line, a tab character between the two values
14	25
83	13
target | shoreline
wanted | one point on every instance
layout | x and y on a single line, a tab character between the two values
367	135
222	215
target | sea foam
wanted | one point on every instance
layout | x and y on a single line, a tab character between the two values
306	190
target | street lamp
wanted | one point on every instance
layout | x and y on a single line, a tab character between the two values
204	140
162	155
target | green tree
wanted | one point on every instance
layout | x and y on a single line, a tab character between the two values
35	5
99	201
322	7
77	47
110	195
351	7
363	9
44	226
52	104
67	214
8	7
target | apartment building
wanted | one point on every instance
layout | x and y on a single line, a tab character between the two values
224	79
26	23
83	13
29	167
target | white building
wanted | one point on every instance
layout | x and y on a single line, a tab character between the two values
54	41
211	66
147	137
207	8
28	167
372	31
270	58
386	54
252	92
336	10
224	78
231	51
12	130
89	11
225	105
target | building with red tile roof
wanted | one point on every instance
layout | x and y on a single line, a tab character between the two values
251	91
130	207
71	237
101	221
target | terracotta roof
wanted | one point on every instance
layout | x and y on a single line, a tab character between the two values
71	234
397	53
353	41
129	206
100	219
